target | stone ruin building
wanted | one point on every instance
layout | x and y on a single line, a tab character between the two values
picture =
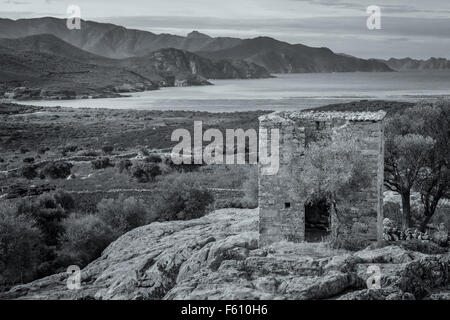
284	215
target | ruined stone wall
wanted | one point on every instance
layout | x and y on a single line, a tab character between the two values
282	208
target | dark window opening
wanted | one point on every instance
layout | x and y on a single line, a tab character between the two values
287	205
317	220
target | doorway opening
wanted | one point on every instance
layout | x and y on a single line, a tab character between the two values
317	220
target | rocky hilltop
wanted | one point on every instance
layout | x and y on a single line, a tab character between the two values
217	257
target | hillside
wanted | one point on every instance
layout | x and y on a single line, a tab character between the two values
114	41
282	57
406	64
48	68
110	40
217	257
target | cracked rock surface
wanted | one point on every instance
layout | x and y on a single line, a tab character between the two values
217	257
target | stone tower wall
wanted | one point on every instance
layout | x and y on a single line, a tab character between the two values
282	209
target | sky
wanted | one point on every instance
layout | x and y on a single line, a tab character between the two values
415	28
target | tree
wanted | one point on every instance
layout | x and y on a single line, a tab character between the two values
145	172
85	237
331	167
417	155
47	214
20	243
58	169
405	156
182	198
123	214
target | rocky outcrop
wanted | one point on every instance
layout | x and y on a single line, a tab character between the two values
217	257
171	67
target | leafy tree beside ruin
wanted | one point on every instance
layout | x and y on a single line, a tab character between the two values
417	157
331	167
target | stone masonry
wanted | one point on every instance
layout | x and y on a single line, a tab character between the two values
282	209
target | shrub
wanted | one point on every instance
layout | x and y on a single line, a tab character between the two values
145	172
28	160
43	150
101	163
182	199
24	150
58	169
85	237
64	199
423	246
125	164
108	149
349	242
122	214
144	151
154	158
19	247
69	148
29	172
47	214
89	153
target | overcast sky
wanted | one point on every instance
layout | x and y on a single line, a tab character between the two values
414	28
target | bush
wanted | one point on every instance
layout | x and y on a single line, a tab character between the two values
108	149
65	200
29	172
43	150
145	172
85	237
69	148
125	164
154	158
58	169
19	247
122	215
423	246
350	242
24	150
89	153
101	163
28	160
47	214
182	199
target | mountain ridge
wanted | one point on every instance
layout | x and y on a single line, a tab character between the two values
118	42
404	64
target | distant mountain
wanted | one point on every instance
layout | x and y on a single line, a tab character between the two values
110	40
48	67
114	41
413	64
50	44
282	57
37	75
